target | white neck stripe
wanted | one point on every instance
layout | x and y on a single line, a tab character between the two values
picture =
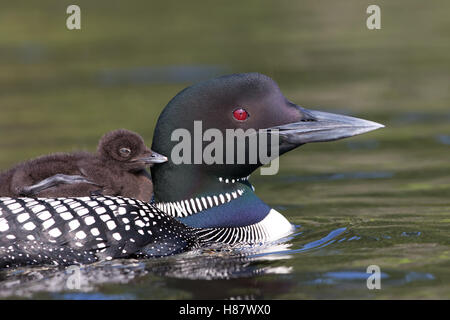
233	180
191	206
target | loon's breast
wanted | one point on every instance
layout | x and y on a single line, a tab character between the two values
64	231
273	227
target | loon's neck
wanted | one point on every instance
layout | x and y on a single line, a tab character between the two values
236	207
207	201
212	202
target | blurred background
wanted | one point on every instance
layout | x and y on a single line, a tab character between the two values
61	90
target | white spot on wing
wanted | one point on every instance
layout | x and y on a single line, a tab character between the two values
55	232
3	225
80	235
29	226
111	225
23	217
48	223
66	215
74	224
89	220
117	236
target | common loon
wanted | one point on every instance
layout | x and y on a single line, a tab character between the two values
117	169
193	203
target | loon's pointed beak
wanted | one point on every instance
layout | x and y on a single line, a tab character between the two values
318	126
152	158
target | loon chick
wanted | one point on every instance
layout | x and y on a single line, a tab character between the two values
117	169
195	202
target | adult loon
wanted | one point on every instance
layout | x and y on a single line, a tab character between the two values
193	203
118	168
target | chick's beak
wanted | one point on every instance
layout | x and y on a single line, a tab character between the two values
151	157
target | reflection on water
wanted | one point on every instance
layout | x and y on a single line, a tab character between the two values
421	117
161	74
340	176
92	296
239	272
368	144
209	263
444	139
31	53
358	279
411	234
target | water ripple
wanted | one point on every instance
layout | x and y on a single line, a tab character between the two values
159	74
341	176
444	139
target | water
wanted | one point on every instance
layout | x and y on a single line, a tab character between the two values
378	199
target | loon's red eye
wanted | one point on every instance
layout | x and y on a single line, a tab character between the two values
240	114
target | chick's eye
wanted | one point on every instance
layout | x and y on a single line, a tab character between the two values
240	114
125	152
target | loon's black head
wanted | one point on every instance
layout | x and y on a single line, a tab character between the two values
127	150
205	191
